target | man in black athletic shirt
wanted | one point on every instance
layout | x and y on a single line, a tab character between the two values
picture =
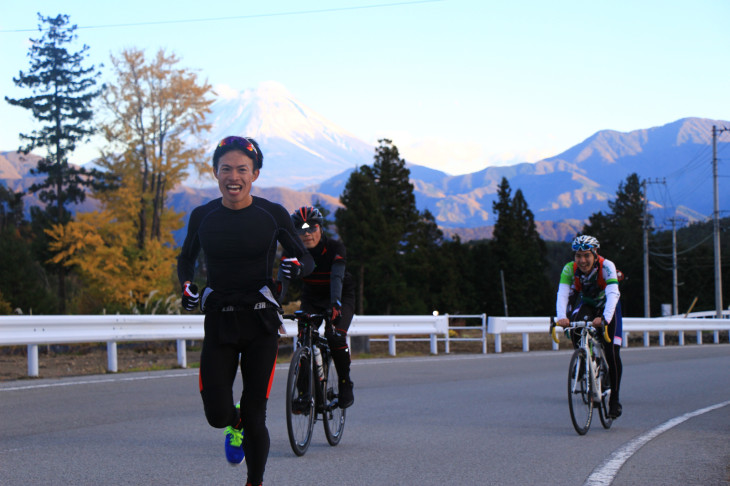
238	234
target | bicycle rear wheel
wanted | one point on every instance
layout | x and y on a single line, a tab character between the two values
300	401
334	416
579	393
605	378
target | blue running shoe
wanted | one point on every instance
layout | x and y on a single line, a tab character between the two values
234	444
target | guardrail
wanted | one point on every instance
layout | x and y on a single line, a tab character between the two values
35	330
527	325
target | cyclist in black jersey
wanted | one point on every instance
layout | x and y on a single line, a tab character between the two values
329	288
238	234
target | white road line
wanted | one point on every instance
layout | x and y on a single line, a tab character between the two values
604	474
115	379
195	371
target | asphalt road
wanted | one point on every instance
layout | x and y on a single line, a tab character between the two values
458	420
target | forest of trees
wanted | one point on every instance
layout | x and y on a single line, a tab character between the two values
122	257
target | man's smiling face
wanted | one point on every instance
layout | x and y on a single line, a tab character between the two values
235	176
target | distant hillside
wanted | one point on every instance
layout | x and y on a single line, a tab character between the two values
548	230
580	181
308	158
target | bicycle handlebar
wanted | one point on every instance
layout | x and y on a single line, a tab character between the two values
579	324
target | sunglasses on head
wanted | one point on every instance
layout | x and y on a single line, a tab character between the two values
583	247
306	228
238	142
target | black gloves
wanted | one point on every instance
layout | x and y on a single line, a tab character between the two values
335	312
290	268
190	296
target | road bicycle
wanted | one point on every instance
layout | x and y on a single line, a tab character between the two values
312	388
589	385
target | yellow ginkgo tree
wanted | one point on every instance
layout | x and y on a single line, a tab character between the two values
125	252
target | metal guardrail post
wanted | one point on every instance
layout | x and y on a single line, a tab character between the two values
111	357
33	360
182	356
391	344
484	334
446	338
434	343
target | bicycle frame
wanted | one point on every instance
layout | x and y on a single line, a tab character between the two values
593	350
309	330
304	380
587	387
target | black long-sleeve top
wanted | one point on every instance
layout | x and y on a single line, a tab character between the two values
239	245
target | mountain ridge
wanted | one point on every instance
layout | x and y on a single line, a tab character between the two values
307	158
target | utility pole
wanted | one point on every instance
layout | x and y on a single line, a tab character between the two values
675	283
716	222
647	307
504	292
645	225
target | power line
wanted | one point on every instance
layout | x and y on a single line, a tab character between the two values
239	17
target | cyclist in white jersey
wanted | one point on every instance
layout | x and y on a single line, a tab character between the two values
589	287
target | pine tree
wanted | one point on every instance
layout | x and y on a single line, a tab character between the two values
392	248
63	93
620	233
520	253
359	224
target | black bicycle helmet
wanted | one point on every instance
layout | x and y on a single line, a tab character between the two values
307	217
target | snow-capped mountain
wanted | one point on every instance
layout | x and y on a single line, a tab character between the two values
309	159
300	146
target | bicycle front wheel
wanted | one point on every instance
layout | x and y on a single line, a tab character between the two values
579	392
334	416
300	401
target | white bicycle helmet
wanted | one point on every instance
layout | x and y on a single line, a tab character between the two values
585	243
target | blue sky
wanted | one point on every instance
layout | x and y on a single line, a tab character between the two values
458	85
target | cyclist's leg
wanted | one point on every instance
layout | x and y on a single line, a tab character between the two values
337	340
218	366
258	362
612	351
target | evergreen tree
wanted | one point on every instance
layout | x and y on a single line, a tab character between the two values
383	231
427	270
398	206
359	224
23	283
11	208
620	234
63	92
520	253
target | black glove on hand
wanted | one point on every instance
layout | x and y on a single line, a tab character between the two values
335	312
290	268
190	296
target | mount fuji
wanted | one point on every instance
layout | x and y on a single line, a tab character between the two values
308	159
300	147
